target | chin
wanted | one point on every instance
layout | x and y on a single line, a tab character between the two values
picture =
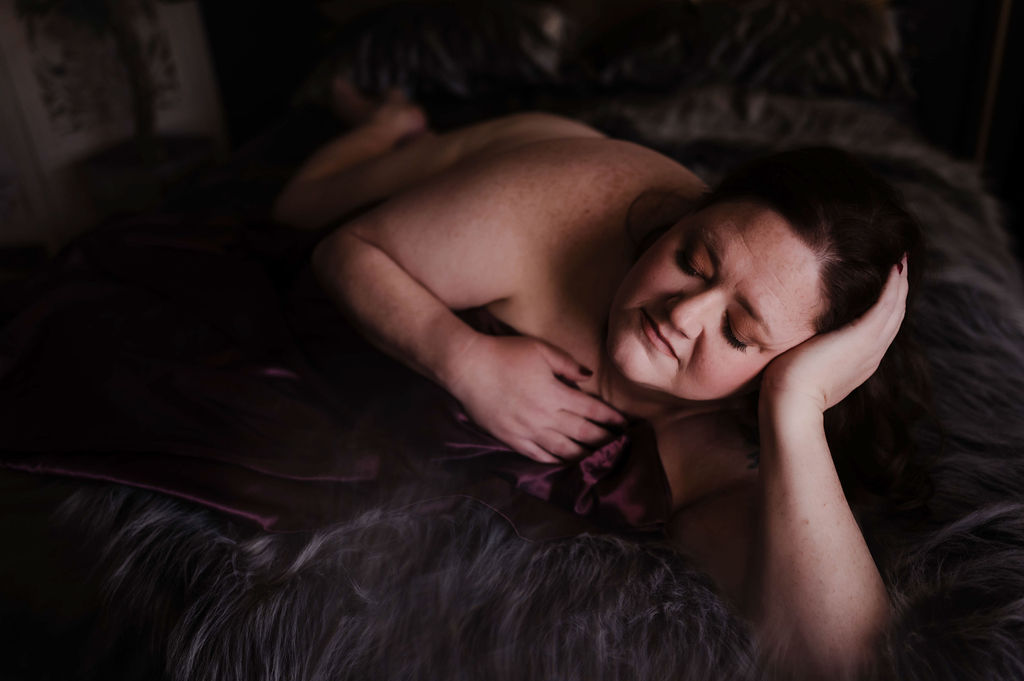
631	360
633	363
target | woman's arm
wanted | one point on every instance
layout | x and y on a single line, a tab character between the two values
337	178
395	312
819	600
478	233
364	165
356	169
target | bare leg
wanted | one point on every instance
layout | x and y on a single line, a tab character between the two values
367	164
377	127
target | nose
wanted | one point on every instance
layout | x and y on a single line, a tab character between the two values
691	313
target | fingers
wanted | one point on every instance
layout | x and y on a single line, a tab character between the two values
536	452
551	447
585	405
573	433
569	435
896	290
563	364
581	430
885	316
899	278
565	424
590	407
877	328
560	445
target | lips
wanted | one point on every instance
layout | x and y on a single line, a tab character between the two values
659	342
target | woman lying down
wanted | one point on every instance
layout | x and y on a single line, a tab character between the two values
638	294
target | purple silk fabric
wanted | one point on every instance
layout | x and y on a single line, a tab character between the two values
200	359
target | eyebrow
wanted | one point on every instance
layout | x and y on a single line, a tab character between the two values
712	245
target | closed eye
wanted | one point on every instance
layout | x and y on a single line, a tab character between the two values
683	261
730	337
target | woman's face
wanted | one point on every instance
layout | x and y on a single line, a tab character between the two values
685	319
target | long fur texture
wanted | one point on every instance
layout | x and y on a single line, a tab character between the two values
399	595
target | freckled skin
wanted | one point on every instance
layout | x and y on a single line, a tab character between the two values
761	258
500	205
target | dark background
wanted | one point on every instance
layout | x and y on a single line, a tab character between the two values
963	56
262	50
950	47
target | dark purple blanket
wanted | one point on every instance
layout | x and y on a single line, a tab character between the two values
199	358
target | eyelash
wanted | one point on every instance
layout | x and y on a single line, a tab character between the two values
730	337
683	261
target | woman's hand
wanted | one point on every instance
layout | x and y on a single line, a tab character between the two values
827	367
515	387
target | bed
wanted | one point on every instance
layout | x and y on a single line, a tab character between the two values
112	581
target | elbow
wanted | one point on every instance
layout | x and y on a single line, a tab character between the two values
333	257
849	661
839	648
850	655
853	657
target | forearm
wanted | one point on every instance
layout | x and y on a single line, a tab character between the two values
396	313
346	150
322	189
819	596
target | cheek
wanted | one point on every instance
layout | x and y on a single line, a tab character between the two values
651	276
629	359
728	371
618	336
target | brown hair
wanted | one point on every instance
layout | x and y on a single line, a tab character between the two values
859	227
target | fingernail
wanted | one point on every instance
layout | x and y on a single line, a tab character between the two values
585	371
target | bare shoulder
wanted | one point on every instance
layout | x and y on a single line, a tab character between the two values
541	137
607	166
577	243
505	218
570	190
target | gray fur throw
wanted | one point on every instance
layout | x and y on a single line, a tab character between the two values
394	594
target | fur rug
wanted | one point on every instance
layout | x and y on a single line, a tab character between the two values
397	595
